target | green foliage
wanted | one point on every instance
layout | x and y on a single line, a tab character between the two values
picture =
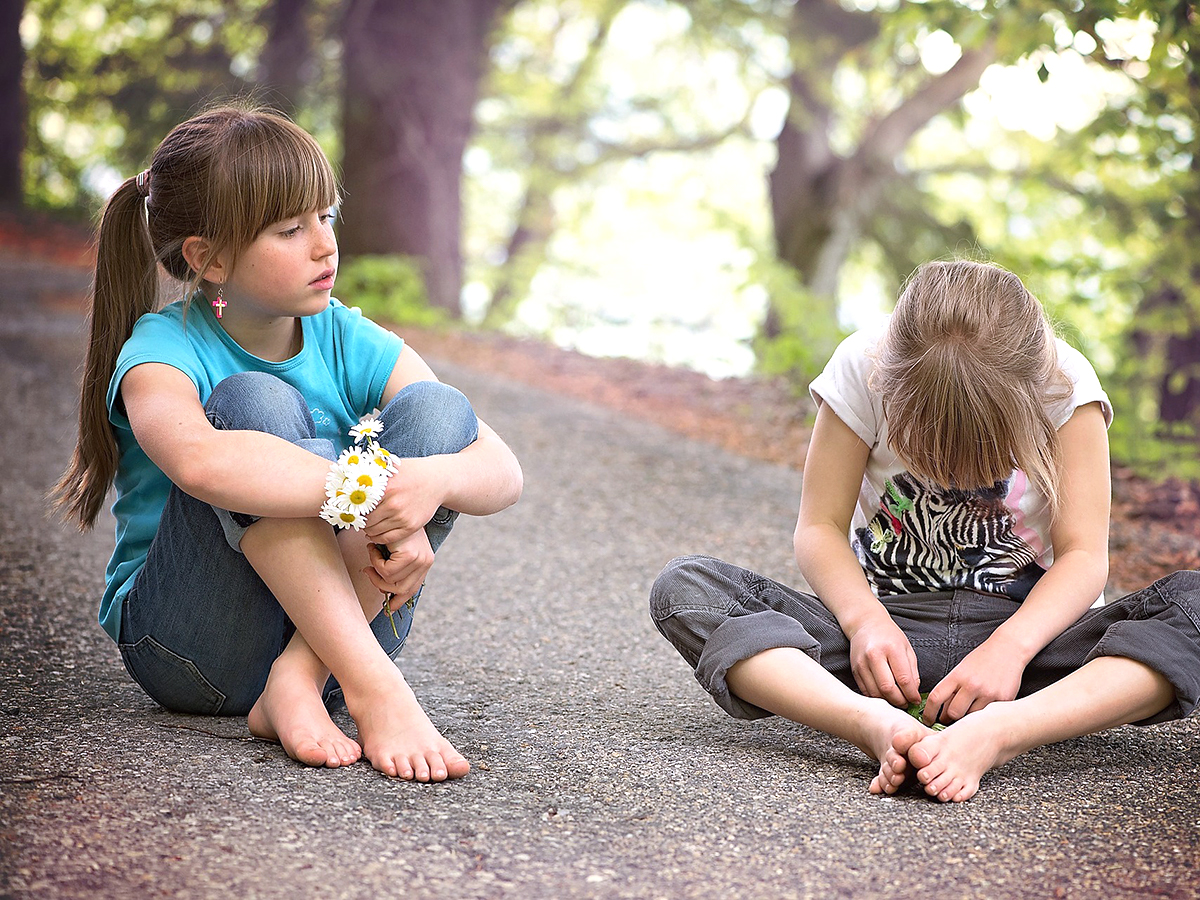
105	82
1099	211
1151	448
806	332
388	288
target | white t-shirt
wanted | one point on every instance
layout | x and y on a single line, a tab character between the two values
912	537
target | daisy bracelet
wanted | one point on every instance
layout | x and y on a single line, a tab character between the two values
358	477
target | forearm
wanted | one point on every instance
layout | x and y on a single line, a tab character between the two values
252	472
1069	587
833	572
1079	536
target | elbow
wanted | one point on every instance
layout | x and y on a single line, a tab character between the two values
516	483
1088	568
191	475
191	467
801	546
1102	572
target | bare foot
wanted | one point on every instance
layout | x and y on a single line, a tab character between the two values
886	734
290	711
950	763
398	738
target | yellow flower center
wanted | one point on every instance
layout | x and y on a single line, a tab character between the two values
346	517
358	497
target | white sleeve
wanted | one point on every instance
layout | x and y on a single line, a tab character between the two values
844	386
1086	387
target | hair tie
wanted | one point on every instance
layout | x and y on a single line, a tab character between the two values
143	183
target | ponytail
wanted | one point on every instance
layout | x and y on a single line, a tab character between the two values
125	287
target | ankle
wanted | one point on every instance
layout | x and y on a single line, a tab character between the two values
373	685
294	667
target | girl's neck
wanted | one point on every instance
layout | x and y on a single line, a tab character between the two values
275	339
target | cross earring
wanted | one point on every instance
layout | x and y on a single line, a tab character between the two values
220	303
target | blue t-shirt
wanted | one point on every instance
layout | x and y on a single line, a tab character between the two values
341	371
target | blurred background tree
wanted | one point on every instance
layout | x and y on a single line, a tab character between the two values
673	179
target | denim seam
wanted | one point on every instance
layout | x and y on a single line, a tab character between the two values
1185	607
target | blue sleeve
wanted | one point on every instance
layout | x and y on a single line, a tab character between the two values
157	339
367	353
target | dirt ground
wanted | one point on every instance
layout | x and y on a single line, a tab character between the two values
1155	525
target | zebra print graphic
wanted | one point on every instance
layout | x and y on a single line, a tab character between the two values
932	539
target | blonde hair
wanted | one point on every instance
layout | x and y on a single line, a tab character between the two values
223	175
965	369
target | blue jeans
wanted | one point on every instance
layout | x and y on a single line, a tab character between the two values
199	628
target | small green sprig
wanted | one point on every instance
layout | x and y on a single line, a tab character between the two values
915	710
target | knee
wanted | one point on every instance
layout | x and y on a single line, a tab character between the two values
1185	583
679	585
428	417
256	401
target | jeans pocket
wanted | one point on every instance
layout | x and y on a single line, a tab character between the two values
172	681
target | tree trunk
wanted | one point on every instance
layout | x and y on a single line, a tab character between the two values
287	54
12	103
412	73
820	200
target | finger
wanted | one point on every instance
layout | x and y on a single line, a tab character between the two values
866	684
933	705
977	704
390	534
381	584
957	706
402	585
886	681
910	684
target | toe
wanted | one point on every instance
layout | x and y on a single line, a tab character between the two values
921	753
420	769
965	793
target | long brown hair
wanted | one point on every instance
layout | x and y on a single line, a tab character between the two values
965	369
223	175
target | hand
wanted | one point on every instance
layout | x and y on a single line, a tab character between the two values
402	572
884	663
411	499
989	672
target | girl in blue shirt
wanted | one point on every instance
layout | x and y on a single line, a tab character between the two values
217	419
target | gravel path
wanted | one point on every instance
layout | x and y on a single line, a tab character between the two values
600	768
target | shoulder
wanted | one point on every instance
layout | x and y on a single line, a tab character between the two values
166	336
354	347
1084	384
163	336
845	385
349	321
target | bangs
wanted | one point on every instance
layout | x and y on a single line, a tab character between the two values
273	171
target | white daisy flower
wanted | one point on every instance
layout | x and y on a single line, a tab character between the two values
367	476
368	428
360	494
356	480
342	516
384	460
335	479
351	456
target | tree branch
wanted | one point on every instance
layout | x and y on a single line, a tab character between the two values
887	137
